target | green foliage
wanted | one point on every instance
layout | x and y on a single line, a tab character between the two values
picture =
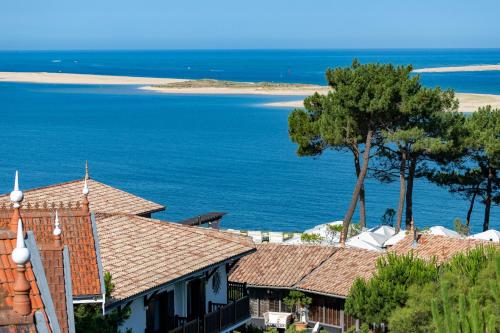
364	328
462	229
311	238
109	286
297	300
470	293
89	317
388	217
463	299
472	168
373	301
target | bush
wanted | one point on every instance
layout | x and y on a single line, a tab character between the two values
374	300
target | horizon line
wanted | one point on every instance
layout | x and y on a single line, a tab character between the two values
251	49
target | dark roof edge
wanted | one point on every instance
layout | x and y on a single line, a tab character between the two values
180	278
295	288
98	254
321	293
41	280
69	290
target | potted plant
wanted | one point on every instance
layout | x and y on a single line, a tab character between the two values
298	302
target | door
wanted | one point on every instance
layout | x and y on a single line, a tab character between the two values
160	313
196	299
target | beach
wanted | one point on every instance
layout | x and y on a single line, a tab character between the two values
68	78
468	102
471	68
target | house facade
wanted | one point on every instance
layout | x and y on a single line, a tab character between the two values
172	276
324	273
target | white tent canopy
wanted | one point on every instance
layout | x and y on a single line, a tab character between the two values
442	231
488	235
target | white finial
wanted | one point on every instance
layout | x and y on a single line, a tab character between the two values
85	189
16	196
21	254
57	230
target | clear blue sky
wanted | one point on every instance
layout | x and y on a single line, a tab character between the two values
167	24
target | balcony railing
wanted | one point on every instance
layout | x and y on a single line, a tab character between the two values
223	317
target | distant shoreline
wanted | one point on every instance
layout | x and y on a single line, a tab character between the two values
470	68
468	102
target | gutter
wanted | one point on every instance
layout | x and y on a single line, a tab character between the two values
99	262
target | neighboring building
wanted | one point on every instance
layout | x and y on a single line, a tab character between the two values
173	275
78	234
324	273
442	248
102	198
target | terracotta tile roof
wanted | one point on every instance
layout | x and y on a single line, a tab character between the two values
8	272
441	247
279	265
142	253
10	321
53	264
336	275
103	198
77	234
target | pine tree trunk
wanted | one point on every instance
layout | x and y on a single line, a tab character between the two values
402	189
409	192
362	206
357	188
471	207
486	224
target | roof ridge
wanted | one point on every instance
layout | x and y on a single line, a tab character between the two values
45	187
122	191
295	285
201	231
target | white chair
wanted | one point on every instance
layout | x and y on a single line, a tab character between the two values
256	236
316	327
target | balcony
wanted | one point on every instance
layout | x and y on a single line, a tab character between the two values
220	316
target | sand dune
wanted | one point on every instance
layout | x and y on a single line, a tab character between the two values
468	102
472	68
68	78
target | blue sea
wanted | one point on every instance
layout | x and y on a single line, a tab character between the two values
196	153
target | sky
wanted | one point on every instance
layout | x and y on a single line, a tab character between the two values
241	24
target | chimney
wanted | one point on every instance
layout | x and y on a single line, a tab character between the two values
57	231
16	197
20	256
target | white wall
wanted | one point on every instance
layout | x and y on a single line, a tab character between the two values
137	319
221	296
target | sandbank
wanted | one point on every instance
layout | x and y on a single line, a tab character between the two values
68	78
468	102
471	68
